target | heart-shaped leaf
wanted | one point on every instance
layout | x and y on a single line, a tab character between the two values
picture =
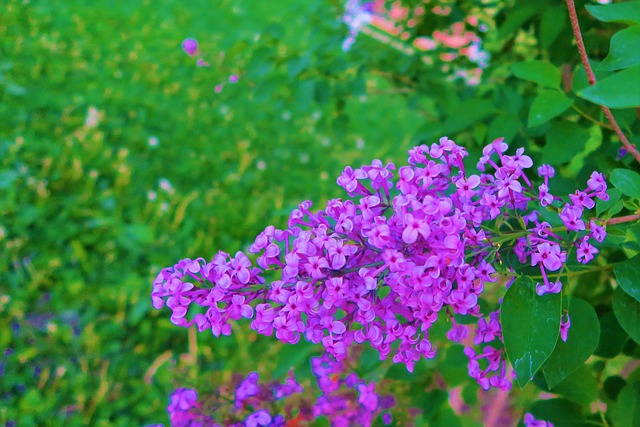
619	90
582	340
530	327
547	105
627	181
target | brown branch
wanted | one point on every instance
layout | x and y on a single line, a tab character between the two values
591	77
623	219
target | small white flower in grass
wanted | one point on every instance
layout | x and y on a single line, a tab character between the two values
165	185
93	118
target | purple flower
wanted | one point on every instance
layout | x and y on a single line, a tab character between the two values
183	408
247	388
259	418
564	327
414	227
585	251
550	255
190	46
368	397
466	186
548	288
580	198
598	184
571	217
546	171
530	421
387	418
597	231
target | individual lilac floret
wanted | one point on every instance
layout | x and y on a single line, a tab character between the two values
598	232
585	251
530	421
258	418
190	46
564	327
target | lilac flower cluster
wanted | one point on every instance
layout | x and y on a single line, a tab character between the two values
385	265
238	411
345	400
184	409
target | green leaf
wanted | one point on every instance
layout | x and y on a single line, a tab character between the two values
445	418
427	133
564	140
580	80
580	387
453	366
612	337
504	126
617	12
627	181
530	327
627	311
553	21
582	340
624	51
7	178
614	196
518	16
560	412
429	402
628	275
626	412
297	65
619	90
547	105
467	113
541	72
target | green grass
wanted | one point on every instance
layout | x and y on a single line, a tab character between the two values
80	238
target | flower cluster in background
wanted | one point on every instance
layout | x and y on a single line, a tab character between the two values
399	26
344	400
414	244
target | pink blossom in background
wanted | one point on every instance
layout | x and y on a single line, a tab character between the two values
398	12
425	43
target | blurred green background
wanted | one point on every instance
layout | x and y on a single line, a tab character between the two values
117	158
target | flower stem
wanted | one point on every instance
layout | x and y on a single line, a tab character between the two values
575	25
